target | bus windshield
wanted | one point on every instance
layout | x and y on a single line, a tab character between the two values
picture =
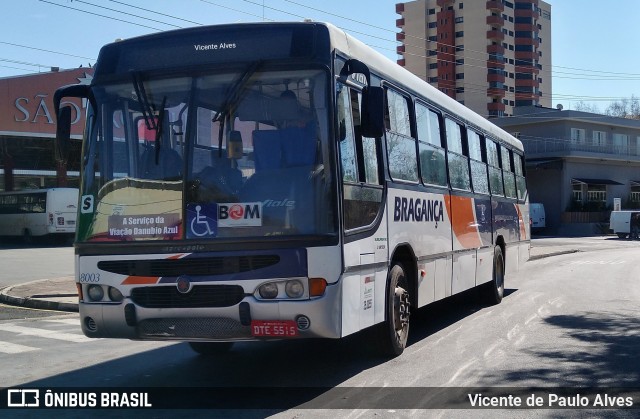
209	156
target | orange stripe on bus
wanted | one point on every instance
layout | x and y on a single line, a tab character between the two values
463	221
523	230
139	280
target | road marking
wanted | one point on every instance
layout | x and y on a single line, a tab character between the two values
530	319
14	348
462	368
514	331
43	333
491	349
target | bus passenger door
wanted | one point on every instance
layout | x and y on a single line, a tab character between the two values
365	242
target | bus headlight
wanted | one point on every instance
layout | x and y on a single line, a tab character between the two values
268	290
294	289
115	294
95	292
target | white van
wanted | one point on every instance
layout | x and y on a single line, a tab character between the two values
620	222
536	212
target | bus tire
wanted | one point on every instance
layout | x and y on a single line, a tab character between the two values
211	348
494	289
622	235
394	331
27	237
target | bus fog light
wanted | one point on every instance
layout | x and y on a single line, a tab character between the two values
268	290
115	294
95	292
294	289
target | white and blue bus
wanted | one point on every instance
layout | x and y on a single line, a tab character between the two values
282	181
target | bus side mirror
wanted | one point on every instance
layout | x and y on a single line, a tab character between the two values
372	112
63	133
63	114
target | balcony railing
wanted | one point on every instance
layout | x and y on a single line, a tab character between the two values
555	145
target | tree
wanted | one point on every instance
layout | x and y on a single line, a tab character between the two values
625	108
586	107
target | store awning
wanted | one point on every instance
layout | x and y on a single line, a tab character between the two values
595	181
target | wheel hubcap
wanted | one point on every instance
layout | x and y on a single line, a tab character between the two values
401	308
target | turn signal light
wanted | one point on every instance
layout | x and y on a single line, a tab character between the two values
317	286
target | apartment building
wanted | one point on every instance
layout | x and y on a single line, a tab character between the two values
492	55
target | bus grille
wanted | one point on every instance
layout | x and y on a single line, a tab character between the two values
191	266
199	296
213	328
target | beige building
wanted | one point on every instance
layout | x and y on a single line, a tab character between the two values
490	55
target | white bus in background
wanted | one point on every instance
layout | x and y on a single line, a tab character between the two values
39	212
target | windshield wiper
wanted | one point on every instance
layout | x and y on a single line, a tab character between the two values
159	125
148	113
233	94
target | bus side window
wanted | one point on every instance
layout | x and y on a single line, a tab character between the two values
433	168
366	147
507	173
495	175
347	137
521	184
401	146
458	161
479	178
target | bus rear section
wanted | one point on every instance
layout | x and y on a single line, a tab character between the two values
62	211
39	213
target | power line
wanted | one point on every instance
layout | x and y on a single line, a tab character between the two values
156	12
128	14
97	14
24	63
235	10
46	50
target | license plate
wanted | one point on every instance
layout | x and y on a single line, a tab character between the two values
274	328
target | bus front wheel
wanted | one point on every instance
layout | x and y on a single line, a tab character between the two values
395	329
211	348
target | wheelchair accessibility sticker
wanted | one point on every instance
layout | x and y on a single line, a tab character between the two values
203	220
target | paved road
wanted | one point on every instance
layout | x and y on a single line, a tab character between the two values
568	320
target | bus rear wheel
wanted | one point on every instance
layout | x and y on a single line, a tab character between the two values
211	348
394	331
493	291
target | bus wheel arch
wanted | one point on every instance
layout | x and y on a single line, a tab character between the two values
404	255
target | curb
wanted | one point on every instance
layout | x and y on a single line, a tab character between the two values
36	303
548	255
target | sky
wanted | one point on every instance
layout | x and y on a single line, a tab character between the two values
595	44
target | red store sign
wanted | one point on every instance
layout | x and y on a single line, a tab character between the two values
26	103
